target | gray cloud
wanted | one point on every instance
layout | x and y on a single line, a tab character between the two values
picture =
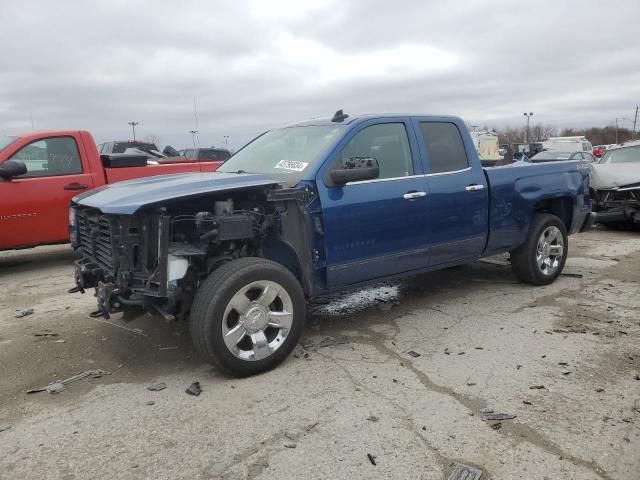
253	64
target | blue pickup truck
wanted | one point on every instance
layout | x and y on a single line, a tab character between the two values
310	209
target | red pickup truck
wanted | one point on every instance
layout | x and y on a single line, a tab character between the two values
41	171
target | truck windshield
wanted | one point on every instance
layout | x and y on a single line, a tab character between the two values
622	155
5	141
283	153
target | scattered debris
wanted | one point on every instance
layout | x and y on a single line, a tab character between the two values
599	389
290	445
25	313
373	418
168	348
479	348
157	387
413	354
527	402
424	428
494	417
134	330
458	471
497	426
573	275
5	428
394	380
151	402
470	384
194	389
446	351
45	334
564	364
461	353
565	372
60	341
57	387
637	376
312	426
518	367
536	387
372	459
486	410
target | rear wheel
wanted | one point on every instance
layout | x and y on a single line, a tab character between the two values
541	258
247	316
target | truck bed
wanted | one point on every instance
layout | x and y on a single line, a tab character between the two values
516	189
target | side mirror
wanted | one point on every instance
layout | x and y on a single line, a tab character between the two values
12	168
355	169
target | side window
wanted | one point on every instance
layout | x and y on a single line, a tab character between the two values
445	149
50	157
388	144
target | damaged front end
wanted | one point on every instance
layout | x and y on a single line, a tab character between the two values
619	206
616	194
154	259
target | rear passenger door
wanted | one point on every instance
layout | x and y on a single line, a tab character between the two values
458	197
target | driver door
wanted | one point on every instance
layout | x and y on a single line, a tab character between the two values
35	206
375	228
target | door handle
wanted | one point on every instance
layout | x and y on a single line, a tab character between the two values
414	195
76	186
473	188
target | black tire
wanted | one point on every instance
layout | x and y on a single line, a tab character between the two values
523	258
215	294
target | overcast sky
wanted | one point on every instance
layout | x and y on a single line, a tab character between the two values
252	65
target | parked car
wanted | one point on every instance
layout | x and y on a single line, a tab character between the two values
213	153
568	144
40	173
556	156
127	146
599	150
319	207
615	183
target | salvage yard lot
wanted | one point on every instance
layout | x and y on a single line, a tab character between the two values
481	341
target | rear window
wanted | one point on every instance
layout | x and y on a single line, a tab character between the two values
445	149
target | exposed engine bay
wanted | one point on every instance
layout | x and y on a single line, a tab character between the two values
155	258
616	194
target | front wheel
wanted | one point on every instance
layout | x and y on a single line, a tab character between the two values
541	258
247	316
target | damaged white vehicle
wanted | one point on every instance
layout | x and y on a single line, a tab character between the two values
615	186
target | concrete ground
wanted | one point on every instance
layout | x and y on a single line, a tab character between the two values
351	388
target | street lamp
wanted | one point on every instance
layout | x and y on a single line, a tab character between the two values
226	140
528	115
133	127
620	118
193	136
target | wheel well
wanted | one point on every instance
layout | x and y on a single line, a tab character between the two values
561	207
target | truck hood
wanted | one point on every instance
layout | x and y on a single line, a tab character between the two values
605	176
126	198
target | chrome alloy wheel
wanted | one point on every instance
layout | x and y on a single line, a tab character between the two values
257	320
550	250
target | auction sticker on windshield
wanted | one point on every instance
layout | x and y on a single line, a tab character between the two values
292	165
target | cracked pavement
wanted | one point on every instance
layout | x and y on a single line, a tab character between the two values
350	388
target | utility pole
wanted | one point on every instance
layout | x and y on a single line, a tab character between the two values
528	115
620	118
133	127
193	136
226	140
635	120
